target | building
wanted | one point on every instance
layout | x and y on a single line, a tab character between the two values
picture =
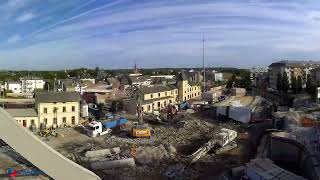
25	117
15	87
187	89
315	76
157	97
292	69
30	84
218	77
58	108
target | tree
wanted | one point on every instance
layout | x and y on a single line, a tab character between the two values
279	82
231	81
294	84
285	82
299	84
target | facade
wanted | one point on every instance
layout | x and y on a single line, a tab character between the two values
218	77
157	97
15	87
292	69
30	84
58	108
315	76
26	117
187	90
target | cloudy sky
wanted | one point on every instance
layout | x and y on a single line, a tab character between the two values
61	34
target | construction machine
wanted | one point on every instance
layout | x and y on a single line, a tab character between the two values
47	132
140	129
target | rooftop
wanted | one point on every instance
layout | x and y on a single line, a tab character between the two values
155	89
22	112
57	97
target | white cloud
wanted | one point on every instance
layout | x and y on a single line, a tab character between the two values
14	39
25	17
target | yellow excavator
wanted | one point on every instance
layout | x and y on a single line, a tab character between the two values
49	131
140	129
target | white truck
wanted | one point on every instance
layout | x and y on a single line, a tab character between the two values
94	129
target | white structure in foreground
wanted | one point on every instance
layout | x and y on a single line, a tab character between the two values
39	153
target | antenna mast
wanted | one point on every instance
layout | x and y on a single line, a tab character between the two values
204	70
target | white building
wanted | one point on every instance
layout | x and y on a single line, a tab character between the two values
15	87
30	84
218	77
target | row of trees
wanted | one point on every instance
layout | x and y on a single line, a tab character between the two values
284	85
240	78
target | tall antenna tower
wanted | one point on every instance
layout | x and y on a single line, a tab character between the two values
204	69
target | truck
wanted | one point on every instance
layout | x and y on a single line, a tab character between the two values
99	128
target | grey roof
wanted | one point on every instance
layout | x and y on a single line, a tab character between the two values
22	112
155	89
57	97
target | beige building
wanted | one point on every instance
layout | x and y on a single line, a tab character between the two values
292	69
25	117
187	90
157	97
58	108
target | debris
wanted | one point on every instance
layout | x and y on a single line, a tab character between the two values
175	170
226	148
122	163
146	155
202	151
102	152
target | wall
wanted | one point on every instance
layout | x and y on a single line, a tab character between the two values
187	92
60	114
159	100
28	121
295	153
150	107
15	88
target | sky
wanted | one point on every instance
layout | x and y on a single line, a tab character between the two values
65	34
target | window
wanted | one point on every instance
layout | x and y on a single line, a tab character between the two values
55	121
149	107
158	104
64	120
45	110
151	95
170	101
64	109
45	120
73	108
55	109
195	94
158	94
73	119
166	93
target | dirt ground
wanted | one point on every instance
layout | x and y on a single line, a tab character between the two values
194	132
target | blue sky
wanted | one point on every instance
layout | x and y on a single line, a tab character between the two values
63	34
